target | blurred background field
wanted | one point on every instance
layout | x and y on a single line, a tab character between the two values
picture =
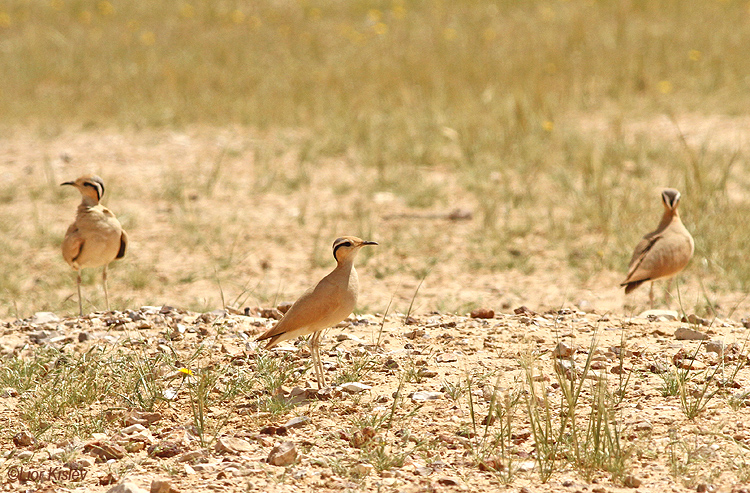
238	139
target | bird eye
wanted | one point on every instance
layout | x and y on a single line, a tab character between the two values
346	244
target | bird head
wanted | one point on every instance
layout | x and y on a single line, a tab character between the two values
90	186
671	198
347	247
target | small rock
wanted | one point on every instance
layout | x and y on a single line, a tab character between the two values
283	454
446	357
166	448
23	439
160	486
297	422
355	387
284	306
482	313
105	450
363	469
696	320
565	368
8	392
631	481
426	396
662	315
523	310
449	481
55	453
715	347
135	428
585	306
126	488
233	445
84	336
644	425
563	350
191	456
25	455
44	318
685	334
272	313
142	417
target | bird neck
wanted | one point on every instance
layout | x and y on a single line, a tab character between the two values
669	216
88	202
345	264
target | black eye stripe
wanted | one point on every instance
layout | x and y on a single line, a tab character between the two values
95	186
343	244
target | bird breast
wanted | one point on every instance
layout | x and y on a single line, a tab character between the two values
100	232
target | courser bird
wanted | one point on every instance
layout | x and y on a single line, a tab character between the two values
324	305
96	237
662	253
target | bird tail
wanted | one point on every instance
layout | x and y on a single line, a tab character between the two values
630	286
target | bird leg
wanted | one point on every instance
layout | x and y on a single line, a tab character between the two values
78	285
651	295
667	294
104	282
317	363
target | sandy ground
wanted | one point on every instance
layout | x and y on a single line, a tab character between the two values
436	437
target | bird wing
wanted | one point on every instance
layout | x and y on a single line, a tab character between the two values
72	244
311	312
641	252
123	245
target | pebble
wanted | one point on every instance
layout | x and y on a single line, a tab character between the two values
136	428
715	347
298	422
44	318
283	454
482	313
355	387
660	315
105	450
426	396
127	488
233	445
631	481
563	350
446	357
191	456
160	486
25	455
685	334
23	439
363	469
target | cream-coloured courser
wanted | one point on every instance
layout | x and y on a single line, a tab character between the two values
663	252
95	238
326	304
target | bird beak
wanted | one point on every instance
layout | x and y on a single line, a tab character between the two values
369	243
68	183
